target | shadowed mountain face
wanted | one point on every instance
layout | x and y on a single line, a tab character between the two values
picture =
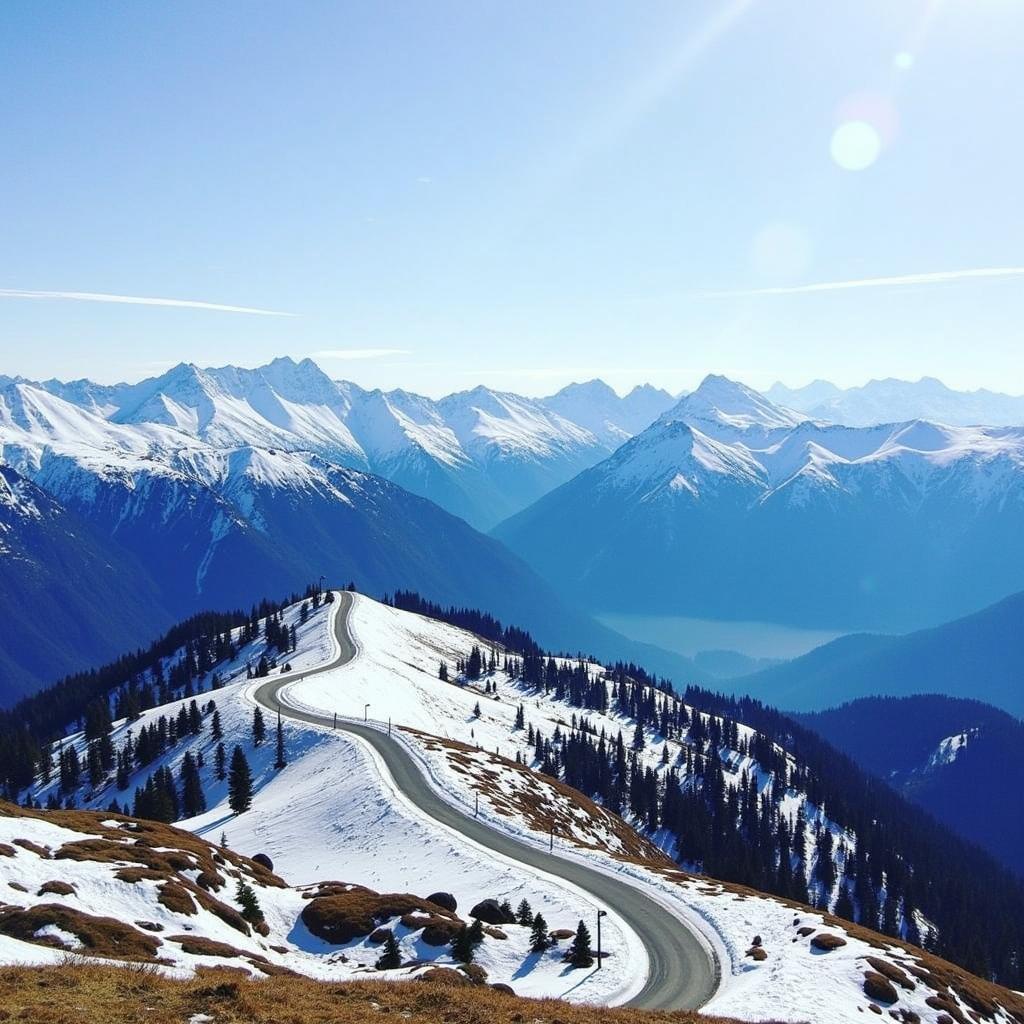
112	542
67	597
732	507
980	656
959	759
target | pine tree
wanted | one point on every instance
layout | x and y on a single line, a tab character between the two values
476	932
391	957
524	914
193	801
580	954
245	895
259	728
215	727
219	760
462	946
239	782
281	760
442	672
539	940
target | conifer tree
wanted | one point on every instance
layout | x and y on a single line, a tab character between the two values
259	728
524	914
476	932
391	957
220	759
193	801
247	900
281	761
462	946
239	782
539	939
580	954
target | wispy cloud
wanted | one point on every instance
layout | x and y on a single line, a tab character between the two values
359	353
138	300
899	281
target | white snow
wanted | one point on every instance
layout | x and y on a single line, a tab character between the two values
334	813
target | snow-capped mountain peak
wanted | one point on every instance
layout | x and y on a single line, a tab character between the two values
727	403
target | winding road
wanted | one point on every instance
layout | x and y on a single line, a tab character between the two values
682	973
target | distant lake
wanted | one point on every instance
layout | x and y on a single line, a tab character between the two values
690	637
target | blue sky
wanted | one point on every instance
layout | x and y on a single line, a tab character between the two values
519	194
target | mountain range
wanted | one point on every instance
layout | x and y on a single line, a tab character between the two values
895	401
480	454
139	504
732	507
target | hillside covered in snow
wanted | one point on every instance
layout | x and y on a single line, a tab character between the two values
525	745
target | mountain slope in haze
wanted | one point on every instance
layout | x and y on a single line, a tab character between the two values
204	526
980	656
277	520
895	401
731	507
50	558
481	454
597	408
958	759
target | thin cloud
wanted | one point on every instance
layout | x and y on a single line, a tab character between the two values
138	300
360	353
899	281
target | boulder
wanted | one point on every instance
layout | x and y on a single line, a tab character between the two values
490	912
445	900
264	860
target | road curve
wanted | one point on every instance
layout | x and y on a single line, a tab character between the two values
682	975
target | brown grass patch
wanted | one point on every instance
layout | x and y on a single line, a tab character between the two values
445	977
757	953
133	875
199	945
57	888
100	936
345	916
7	851
535	799
175	897
27	844
880	988
110	995
891	971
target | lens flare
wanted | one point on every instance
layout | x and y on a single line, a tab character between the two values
856	145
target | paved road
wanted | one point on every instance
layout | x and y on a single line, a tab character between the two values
682	975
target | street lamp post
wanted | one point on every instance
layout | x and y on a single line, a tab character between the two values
600	914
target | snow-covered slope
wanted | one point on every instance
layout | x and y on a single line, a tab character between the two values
895	401
331	813
731	507
480	454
